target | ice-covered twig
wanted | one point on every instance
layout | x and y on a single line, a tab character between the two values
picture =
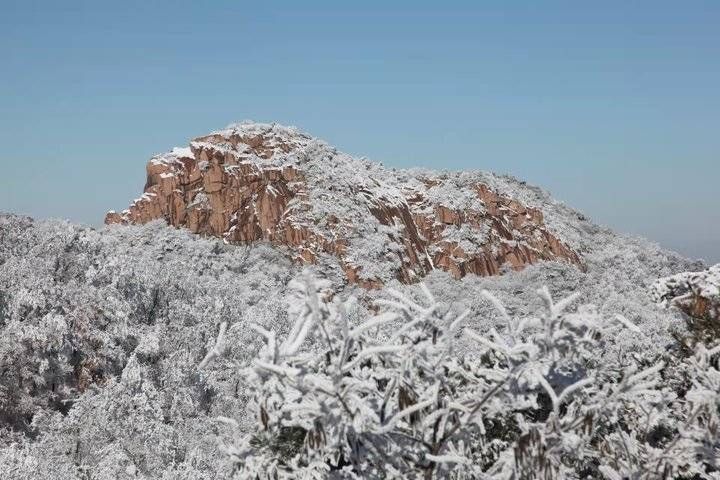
217	349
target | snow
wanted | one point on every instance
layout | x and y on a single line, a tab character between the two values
182	152
201	201
678	287
134	312
405	393
145	304
469	239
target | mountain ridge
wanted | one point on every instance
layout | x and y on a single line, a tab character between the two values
253	181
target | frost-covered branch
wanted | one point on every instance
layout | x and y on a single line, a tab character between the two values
391	397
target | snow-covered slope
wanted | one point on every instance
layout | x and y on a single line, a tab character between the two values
103	330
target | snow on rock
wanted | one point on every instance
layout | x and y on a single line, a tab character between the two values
269	182
696	293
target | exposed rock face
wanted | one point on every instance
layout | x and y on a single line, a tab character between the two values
253	181
695	293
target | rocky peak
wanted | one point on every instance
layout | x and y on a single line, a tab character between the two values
244	141
252	182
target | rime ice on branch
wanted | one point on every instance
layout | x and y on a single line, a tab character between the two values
390	397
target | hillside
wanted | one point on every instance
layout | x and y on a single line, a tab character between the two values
104	331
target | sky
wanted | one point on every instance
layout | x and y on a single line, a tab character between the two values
612	106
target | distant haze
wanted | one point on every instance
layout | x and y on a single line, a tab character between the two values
614	107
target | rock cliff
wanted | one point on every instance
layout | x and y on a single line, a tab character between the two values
253	182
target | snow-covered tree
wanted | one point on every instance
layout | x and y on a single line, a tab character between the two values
102	333
398	395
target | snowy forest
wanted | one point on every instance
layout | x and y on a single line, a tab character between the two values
144	352
494	254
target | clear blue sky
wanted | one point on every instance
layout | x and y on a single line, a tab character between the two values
613	106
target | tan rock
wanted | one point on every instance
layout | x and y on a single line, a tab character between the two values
228	185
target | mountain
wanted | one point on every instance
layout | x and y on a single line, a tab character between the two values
252	182
104	330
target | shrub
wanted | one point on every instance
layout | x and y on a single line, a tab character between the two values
414	392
